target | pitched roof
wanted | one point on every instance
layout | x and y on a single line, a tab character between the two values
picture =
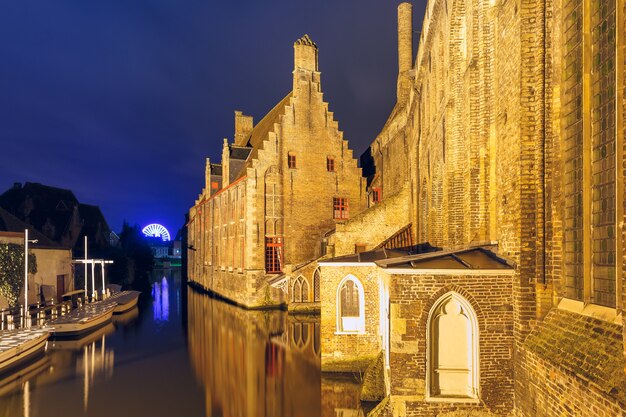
261	130
10	223
476	257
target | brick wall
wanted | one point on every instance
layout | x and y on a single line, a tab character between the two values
411	298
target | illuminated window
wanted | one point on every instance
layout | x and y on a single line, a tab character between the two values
340	208
273	255
376	195
291	160
350	306
589	152
214	185
330	164
453	349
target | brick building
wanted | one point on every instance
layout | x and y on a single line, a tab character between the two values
281	186
508	129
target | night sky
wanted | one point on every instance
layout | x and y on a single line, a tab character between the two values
121	101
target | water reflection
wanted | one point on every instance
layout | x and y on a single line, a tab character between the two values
161	300
253	363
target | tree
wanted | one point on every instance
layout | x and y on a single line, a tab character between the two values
12	271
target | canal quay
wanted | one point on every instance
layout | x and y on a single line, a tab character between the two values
181	352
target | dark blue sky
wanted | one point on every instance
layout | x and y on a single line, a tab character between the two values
121	101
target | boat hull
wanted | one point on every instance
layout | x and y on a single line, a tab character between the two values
14	358
70	330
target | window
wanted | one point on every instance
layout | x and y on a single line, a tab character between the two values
350	306
291	160
589	152
376	195
273	255
330	164
340	208
360	247
300	290
214	185
316	285
452	337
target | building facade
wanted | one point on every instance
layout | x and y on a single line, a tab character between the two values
281	185
508	132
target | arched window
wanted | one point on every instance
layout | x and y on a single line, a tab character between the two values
350	306
316	285
300	290
452	349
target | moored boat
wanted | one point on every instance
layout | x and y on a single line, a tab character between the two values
82	320
125	300
20	346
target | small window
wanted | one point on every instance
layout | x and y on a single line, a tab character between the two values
330	164
360	247
376	195
291	160
340	208
350	306
273	255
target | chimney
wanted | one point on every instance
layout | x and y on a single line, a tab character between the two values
207	176
405	46
305	59
243	127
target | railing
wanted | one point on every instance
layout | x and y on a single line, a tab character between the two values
36	315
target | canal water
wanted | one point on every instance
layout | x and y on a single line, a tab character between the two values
183	353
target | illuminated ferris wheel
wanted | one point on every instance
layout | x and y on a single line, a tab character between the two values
156	230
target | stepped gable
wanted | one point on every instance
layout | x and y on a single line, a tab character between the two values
262	129
306	40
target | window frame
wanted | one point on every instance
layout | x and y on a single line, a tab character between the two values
292	161
341	206
431	342
360	322
330	164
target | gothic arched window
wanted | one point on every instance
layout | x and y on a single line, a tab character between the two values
452	349
300	290
350	306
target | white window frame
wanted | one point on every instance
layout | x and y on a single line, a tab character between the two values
360	321
467	307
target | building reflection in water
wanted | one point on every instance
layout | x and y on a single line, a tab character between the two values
161	301
254	363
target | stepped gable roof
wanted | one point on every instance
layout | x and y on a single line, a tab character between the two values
306	40
475	257
261	130
10	223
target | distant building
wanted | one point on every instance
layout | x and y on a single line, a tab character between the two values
57	214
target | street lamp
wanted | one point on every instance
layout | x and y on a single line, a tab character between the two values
26	241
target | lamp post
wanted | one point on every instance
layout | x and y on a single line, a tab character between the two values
26	241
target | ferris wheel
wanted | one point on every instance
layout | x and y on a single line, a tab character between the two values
156	230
